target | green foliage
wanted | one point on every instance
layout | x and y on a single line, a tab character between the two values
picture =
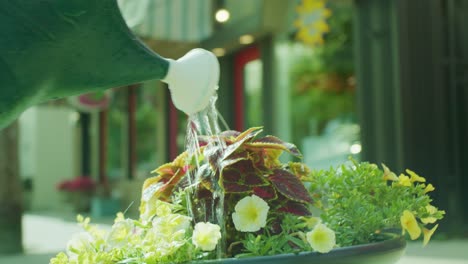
290	240
359	203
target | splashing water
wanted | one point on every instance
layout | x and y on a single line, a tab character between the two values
205	125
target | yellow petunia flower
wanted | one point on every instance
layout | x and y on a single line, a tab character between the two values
409	223
250	214
431	210
388	174
428	220
321	238
206	236
428	234
404	180
429	188
415	177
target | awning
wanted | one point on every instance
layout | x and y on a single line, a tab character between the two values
169	20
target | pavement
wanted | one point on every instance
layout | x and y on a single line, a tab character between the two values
46	234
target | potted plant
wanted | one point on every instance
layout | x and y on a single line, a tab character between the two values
78	192
234	201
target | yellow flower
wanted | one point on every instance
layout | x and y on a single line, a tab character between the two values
429	188
388	174
321	238
250	214
311	22
311	222
428	234
206	236
415	177
409	223
404	180
428	220
431	210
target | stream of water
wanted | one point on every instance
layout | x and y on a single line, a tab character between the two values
206	124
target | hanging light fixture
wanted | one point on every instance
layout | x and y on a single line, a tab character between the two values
222	15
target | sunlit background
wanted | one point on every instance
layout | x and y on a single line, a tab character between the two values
382	81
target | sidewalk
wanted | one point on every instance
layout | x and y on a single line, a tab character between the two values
44	236
437	252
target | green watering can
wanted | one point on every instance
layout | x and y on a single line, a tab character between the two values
56	48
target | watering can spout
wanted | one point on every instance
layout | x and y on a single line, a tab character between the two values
56	48
193	80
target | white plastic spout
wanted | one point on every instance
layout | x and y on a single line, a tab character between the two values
193	80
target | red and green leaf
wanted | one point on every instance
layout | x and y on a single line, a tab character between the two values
290	186
167	168
295	208
243	172
272	142
229	134
266	160
232	187
265	192
249	134
162	186
213	154
299	169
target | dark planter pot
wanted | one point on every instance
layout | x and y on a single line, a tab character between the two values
385	252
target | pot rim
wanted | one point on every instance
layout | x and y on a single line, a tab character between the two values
370	249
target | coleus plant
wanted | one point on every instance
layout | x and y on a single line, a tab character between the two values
234	165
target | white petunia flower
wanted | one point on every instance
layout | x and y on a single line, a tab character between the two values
321	238
206	236
121	233
79	244
250	214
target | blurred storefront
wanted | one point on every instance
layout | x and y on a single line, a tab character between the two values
264	71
